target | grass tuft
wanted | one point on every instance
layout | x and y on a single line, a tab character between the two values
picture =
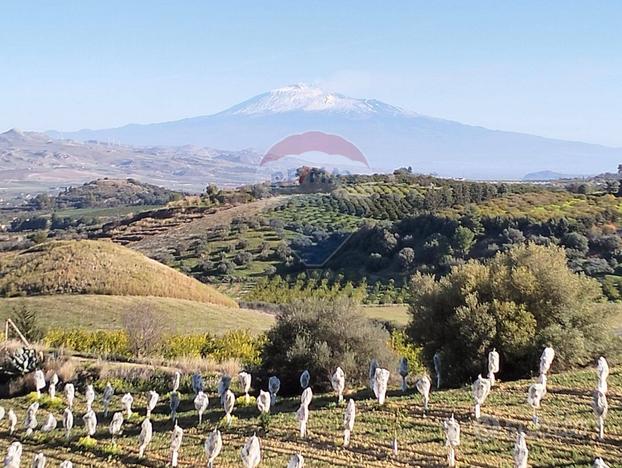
87	442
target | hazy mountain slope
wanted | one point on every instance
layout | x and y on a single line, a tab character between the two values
34	160
389	136
546	175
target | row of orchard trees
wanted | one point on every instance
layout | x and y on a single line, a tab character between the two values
287	289
395	205
518	302
279	290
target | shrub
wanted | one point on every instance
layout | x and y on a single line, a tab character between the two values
402	345
612	287
225	267
184	345
464	239
282	251
135	379
242	402
608	245
143	330
513	236
593	266
39	237
236	344
384	240
100	342
87	442
576	241
319	335
243	258
521	301
46	402
406	257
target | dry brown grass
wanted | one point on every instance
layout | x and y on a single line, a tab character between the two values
109	370
98	267
11	345
190	365
63	366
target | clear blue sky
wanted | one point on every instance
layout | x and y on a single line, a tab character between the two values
552	68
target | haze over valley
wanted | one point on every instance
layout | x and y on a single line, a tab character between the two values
226	147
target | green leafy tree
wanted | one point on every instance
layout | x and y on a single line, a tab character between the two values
519	302
612	186
27	322
406	257
576	241
464	239
39	237
319	335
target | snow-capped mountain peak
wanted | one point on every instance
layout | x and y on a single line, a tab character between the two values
387	136
308	98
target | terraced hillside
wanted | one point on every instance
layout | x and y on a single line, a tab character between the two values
155	233
151	223
566	436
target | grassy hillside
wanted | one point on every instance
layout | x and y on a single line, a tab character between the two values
566	436
396	313
95	312
182	317
95	267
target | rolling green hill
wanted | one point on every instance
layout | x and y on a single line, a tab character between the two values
96	267
98	312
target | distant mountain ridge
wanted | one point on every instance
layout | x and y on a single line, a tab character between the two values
389	136
548	175
31	161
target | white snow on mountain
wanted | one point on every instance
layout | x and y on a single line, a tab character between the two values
387	135
304	97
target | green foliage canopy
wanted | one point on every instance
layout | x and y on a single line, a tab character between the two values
319	335
520	301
